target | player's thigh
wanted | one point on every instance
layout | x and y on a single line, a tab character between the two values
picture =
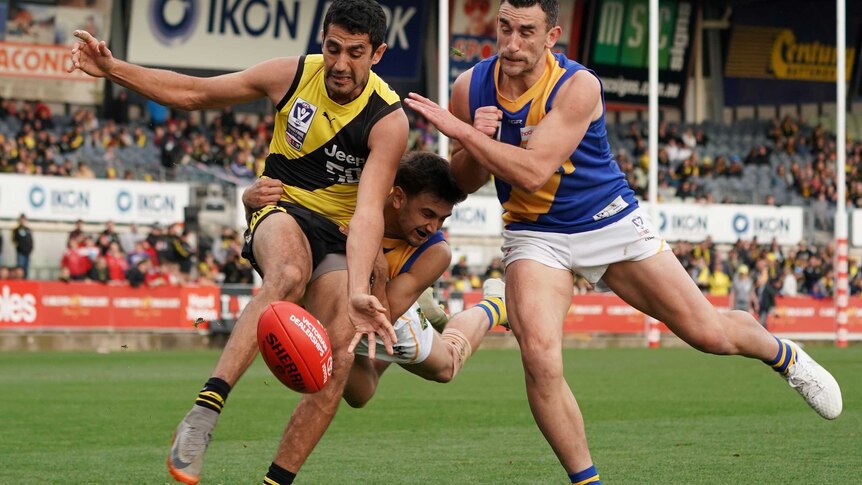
326	299
538	298
281	250
660	287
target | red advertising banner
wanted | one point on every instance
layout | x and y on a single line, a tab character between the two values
608	313
45	305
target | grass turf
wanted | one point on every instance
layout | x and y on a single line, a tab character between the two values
670	416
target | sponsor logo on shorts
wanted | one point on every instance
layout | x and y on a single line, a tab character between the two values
298	122
614	207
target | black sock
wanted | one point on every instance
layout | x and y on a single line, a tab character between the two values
278	476
214	394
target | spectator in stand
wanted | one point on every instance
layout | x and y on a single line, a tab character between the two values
718	281
138	253
22	239
460	269
812	274
182	254
74	264
118	109
237	270
758	155
137	274
768	300
116	262
4	273
128	240
110	232
158	242
208	270
742	294
495	269
77	233
99	271
89	248
789	284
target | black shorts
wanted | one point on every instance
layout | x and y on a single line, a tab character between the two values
323	235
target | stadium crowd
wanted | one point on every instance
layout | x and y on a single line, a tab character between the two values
797	159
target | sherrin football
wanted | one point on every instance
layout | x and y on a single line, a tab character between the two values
295	347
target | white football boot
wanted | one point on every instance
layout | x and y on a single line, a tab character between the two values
816	385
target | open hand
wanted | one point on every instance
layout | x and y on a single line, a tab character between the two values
369	320
442	119
91	55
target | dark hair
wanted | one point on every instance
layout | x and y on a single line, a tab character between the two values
550	7
358	17
421	172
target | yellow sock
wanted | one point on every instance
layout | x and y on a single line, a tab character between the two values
495	308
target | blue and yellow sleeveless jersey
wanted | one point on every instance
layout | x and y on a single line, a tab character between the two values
400	255
319	147
588	191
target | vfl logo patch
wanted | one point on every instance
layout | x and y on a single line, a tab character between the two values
641	228
298	122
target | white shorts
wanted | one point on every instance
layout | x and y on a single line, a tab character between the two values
415	336
632	238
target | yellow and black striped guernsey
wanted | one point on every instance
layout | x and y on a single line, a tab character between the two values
319	147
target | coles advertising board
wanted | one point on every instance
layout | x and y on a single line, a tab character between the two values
35	49
727	223
233	35
70	199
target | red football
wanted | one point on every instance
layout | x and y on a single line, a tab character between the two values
294	346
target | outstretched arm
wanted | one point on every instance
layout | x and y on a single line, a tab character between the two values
387	143
268	79
576	105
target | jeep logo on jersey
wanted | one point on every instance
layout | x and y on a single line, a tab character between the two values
298	122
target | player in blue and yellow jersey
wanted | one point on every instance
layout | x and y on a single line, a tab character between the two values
536	122
340	132
414	255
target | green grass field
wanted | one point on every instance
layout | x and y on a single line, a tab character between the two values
668	416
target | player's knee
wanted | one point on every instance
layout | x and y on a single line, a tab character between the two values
287	282
357	400
543	369
444	376
712	340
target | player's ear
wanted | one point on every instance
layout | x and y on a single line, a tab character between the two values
553	36
399	198
378	53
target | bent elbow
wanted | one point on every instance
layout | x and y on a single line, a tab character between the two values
532	183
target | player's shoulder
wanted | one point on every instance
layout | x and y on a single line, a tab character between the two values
381	88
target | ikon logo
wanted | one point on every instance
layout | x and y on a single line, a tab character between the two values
17	308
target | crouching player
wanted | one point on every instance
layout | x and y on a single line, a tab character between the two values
414	255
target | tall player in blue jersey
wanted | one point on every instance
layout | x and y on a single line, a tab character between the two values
535	121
